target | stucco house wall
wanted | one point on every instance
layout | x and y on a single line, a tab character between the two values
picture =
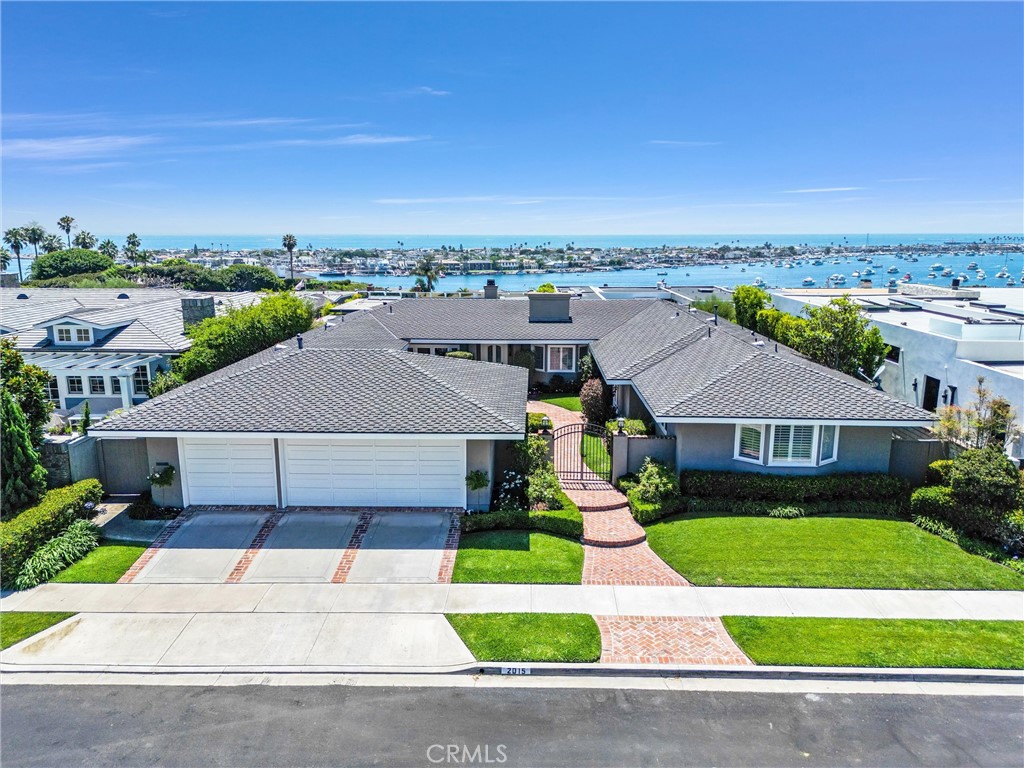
711	447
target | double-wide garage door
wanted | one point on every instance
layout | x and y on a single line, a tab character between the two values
328	473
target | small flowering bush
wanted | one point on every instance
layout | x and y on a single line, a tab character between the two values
511	494
542	488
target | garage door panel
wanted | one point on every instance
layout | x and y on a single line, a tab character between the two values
226	471
388	472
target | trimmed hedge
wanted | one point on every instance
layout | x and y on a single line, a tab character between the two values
533	422
630	426
939	502
757	486
567	521
459	355
646	512
59	508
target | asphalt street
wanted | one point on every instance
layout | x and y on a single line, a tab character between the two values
356	726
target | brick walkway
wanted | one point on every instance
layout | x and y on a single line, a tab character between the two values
663	640
165	535
629	566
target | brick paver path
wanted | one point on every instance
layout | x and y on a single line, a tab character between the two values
666	640
630	566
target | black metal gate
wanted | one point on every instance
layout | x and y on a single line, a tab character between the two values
582	452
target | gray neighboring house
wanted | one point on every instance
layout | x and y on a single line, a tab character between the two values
328	426
105	345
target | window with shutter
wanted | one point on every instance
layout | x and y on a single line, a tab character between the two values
793	443
780	442
749	440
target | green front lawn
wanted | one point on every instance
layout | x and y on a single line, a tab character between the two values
104	565
569	402
879	642
820	551
564	637
518	557
595	454
15	627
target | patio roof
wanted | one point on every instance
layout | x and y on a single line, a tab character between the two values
89	362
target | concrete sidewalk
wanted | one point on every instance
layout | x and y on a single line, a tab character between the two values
479	598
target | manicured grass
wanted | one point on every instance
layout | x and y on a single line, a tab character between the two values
595	454
518	557
879	642
569	402
104	565
15	627
822	551
566	637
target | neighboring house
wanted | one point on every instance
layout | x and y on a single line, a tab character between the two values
366	411
942	339
105	345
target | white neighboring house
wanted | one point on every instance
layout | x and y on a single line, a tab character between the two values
105	345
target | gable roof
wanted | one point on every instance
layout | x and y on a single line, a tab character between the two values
685	368
339	391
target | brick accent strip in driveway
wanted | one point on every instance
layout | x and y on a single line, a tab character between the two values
666	640
257	544
159	543
451	548
349	556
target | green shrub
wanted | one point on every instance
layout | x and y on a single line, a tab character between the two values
22	536
1011	531
74	261
748	508
534	422
542	487
938	472
22	477
626	482
546	288
940	503
967	543
523	359
656	482
567	521
80	538
530	454
759	486
629	426
985	477
595	400
646	512
459	355
143	508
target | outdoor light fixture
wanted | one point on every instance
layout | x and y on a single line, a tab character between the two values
914	385
945	396
545	423
622	424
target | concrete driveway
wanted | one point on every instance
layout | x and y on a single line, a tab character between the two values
303	547
401	548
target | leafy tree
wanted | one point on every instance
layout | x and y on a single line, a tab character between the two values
24	479
51	243
288	242
26	384
226	339
182	274
5	259
246	277
65	223
839	335
108	248
986	478
164	381
131	248
35	234
83	426
16	239
84	239
988	421
747	301
427	269
523	358
74	261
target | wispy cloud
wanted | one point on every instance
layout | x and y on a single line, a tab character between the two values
76	168
816	190
243	122
72	147
902	181
426	90
682	143
352	139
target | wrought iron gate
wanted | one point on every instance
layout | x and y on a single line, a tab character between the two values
582	452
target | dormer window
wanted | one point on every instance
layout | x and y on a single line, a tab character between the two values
83	335
64	334
67	334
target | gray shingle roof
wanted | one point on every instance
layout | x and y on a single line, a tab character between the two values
681	372
331	391
460	320
360	330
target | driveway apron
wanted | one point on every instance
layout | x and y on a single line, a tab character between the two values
401	548
303	547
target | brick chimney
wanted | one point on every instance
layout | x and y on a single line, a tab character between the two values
195	309
491	289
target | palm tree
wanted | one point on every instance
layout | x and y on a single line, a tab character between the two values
52	243
5	259
108	248
35	234
85	239
131	247
14	238
427	269
66	223
288	242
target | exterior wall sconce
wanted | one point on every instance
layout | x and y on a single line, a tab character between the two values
914	385
622	424
545	424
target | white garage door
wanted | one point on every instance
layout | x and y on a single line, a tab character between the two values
375	473
230	471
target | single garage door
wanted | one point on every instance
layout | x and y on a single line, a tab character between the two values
230	471
375	473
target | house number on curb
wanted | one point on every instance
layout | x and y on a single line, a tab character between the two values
515	670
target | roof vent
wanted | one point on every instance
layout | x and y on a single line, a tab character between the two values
122	295
758	343
298	340
22	295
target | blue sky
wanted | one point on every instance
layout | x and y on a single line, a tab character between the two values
533	118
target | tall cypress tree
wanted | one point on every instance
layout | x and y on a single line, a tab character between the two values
24	479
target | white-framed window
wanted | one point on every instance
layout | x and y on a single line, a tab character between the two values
64	334
75	386
115	385
828	444
749	443
97	385
140	380
67	334
561	359
53	391
792	444
493	353
83	335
